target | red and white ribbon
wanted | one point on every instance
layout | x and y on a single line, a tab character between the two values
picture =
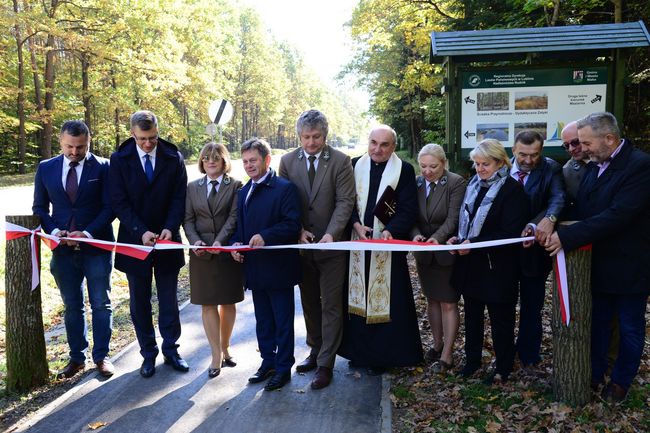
14	231
562	287
141	251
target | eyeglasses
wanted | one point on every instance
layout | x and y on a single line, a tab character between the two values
207	159
573	143
153	139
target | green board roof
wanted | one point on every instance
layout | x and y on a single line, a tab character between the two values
489	45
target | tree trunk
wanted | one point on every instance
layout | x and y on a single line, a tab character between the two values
38	93
572	344
26	360
22	139
116	114
618	11
48	127
85	93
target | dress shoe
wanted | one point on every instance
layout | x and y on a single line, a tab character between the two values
614	393
468	370
597	385
105	368
495	378
307	365
432	355
261	375
376	371
322	378
213	372
148	368
442	367
70	370
228	362
278	380
177	363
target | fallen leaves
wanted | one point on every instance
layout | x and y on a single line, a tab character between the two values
426	403
96	425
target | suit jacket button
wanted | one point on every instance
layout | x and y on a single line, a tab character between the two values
311	208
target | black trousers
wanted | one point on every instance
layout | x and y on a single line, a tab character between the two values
502	321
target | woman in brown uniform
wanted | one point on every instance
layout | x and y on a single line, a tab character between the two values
440	194
215	279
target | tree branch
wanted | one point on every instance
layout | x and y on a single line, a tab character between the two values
435	6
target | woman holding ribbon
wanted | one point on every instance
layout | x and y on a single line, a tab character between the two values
215	279
440	194
495	207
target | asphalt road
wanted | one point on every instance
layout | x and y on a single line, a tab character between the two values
191	402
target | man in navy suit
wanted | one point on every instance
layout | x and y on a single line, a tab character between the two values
542	180
268	213
75	183
613	204
147	186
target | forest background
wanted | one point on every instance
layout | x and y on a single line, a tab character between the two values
100	60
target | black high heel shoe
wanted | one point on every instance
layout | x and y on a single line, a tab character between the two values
228	362
213	372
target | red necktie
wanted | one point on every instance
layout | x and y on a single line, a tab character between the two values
71	188
522	175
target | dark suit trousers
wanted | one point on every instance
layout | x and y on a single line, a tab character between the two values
502	320
529	339
274	313
631	314
168	318
321	295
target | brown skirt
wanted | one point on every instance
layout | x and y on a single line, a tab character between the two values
215	281
435	282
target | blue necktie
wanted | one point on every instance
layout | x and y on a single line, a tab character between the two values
250	195
148	168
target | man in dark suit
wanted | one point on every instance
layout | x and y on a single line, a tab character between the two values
325	181
613	206
75	183
542	180
148	186
575	167
268	213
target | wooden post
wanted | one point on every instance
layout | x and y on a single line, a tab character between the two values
572	344
26	361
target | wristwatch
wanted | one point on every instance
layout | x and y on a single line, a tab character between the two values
552	218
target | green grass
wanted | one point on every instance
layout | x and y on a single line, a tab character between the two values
402	392
11	180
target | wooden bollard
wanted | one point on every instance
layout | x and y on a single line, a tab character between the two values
26	360
572	344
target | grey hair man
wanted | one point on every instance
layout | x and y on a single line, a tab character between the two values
325	183
613	202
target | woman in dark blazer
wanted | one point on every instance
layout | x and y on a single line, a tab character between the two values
495	207
440	194
215	279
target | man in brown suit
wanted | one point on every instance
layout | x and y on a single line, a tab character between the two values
325	181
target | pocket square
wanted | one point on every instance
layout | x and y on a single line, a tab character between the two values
92	180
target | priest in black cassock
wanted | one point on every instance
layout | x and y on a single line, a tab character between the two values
381	329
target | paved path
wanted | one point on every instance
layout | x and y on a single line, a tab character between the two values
190	402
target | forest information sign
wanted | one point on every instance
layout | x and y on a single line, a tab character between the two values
500	103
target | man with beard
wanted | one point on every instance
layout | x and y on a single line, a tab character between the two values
613	210
542	180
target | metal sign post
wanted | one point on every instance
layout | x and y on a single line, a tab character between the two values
220	112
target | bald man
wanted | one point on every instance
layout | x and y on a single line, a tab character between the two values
575	168
381	329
